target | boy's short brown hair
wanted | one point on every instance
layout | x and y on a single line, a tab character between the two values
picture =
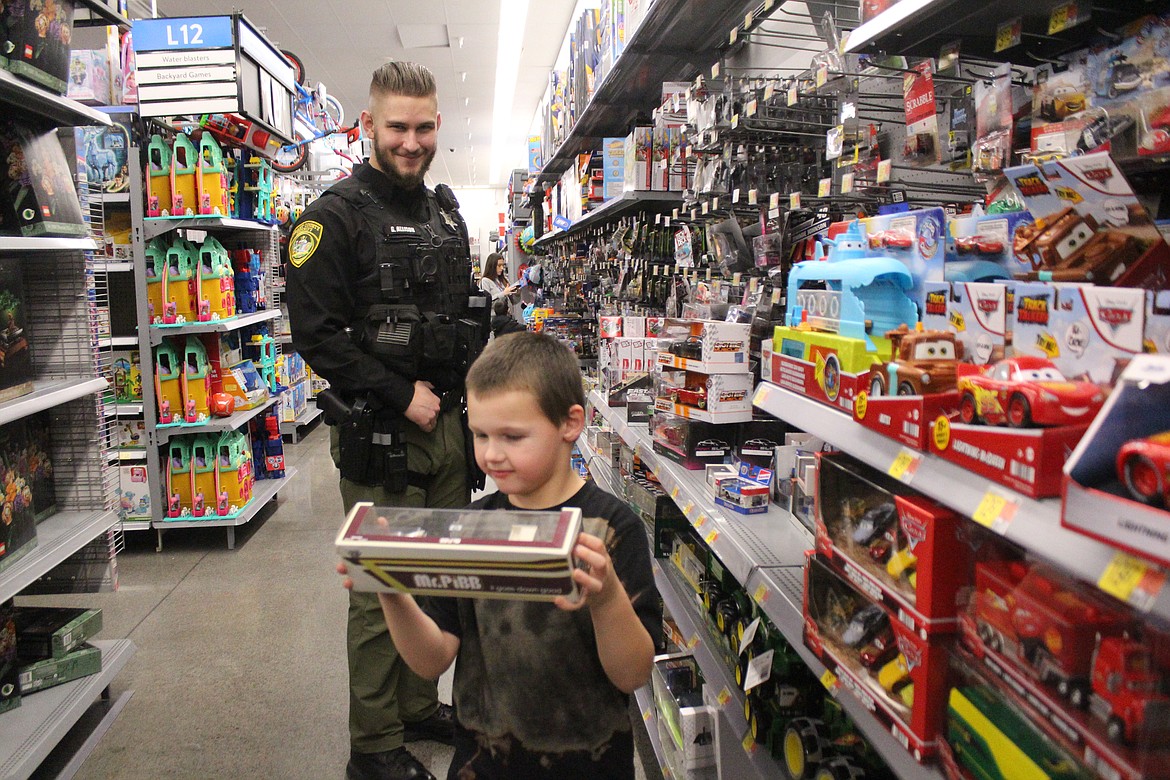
534	362
403	78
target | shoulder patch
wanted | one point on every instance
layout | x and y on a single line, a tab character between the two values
304	242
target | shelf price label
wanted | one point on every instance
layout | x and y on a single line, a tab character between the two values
750	110
753	197
648	715
822	75
734	121
693	641
674	492
774	200
824	187
830	681
711	537
748	18
1133	581
846	183
763	390
749	744
905	466
884	168
688	508
769	90
1007	34
733	37
715	71
792	95
723	697
735	195
794	200
1063	17
761	596
995	511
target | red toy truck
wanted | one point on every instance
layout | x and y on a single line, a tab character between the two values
1075	640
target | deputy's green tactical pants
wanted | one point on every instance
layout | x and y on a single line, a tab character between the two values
383	691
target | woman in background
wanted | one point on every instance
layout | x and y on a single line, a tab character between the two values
494	281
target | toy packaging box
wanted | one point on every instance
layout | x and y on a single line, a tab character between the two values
904	418
9	676
104	151
36	674
37	196
719	398
472	553
844	629
976	312
825	367
1090	227
979	247
685	723
20	464
1115	484
37	37
133	493
705	346
905	550
693	443
51	632
917	239
1055	646
1087	332
16	370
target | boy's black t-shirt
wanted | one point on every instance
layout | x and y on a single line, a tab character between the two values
531	696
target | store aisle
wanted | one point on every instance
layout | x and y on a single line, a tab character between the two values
240	670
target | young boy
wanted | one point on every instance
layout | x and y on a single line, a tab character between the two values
541	690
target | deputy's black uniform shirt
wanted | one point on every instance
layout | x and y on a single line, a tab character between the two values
531	695
332	278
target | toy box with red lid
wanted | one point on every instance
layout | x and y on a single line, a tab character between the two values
1115	486
904	550
895	674
1083	666
1090	227
839	307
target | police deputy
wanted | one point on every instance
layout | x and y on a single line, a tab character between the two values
381	305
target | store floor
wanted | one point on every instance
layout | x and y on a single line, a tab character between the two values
240	670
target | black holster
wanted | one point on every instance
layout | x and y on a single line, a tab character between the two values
373	451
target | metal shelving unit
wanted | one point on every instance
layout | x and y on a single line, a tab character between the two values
30	97
32	730
158	333
58	537
266	489
742	542
671	44
163	433
644	698
306	417
153	227
23	244
1036	526
615	207
48	393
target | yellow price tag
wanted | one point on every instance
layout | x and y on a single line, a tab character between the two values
693	641
734	121
700	521
846	183
774	200
687	509
1063	17
769	90
731	39
747	20
824	187
822	75
749	744
905	465
761	595
674	492
995	511
715	71
723	697
1132	580
711	537
648	715
751	108
1007	34
707	206
792	95
794	200
884	168
753	197
830	681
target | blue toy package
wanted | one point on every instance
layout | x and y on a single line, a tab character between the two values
979	247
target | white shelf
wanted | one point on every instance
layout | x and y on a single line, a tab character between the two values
131	454
687	615
1036	526
164	433
48	393
644	697
308	414
24	244
265	489
778	591
58	537
15	91
156	226
158	333
127	409
30	732
742	542
109	197
136	525
118	341
110	268
99	13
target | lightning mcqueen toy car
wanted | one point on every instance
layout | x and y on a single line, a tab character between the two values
1143	466
1025	391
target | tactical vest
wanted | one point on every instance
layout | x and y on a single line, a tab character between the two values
420	315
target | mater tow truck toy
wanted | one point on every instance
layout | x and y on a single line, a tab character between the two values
921	361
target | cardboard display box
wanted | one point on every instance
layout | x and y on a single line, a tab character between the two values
686	724
693	443
906	551
51	632
9	677
37	196
40	673
706	346
453	552
904	418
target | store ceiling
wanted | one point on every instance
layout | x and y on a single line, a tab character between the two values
342	41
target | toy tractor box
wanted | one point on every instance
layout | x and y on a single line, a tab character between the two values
37	38
979	247
51	632
458	552
907	691
705	346
1086	331
36	674
1090	227
37	196
1115	481
906	551
9	678
16	370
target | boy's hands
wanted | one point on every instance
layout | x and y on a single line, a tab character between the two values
343	570
596	581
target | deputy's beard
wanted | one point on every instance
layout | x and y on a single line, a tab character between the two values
387	163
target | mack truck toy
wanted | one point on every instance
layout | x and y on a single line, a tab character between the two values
1075	640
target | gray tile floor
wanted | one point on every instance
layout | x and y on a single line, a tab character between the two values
240	670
